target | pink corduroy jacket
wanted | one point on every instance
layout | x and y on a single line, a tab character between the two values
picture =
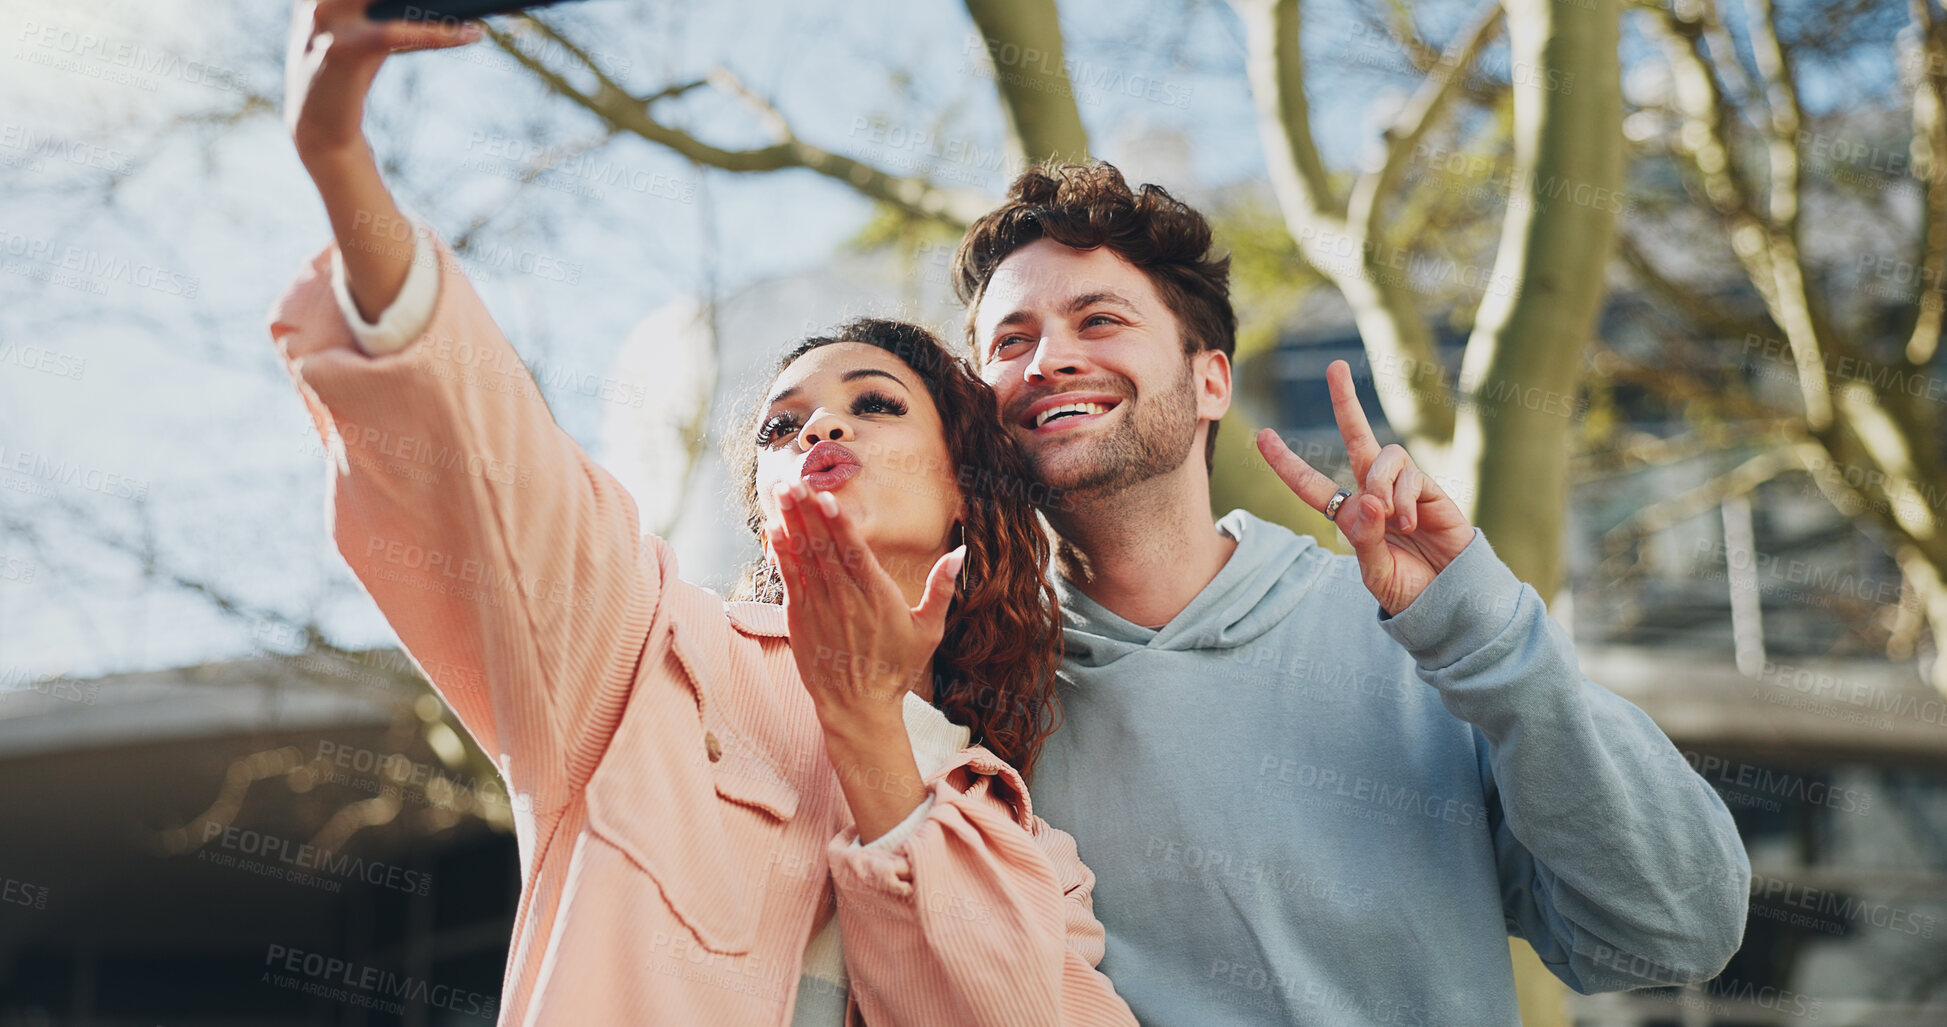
681	832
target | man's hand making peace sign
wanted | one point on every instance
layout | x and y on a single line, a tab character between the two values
1402	525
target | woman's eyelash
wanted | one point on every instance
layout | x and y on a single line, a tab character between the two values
774	426
878	402
870	402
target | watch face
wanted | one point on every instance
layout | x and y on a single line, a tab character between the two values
434	10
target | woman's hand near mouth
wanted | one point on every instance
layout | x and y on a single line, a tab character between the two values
859	648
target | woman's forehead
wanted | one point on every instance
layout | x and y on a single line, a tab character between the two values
838	362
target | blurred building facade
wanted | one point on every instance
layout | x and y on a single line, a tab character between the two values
290	840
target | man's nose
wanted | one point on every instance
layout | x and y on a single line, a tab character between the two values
1057	353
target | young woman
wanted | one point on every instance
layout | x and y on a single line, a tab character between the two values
744	812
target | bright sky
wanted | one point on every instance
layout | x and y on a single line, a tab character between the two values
140	251
140	255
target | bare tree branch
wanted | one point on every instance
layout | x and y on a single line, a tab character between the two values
1406	131
1737	481
1406	370
1759	242
1930	137
1797	310
1709	315
1399	21
1276	68
623	112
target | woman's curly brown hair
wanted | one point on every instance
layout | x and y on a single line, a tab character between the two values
1089	205
994	671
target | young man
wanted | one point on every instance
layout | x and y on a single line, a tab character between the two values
1314	788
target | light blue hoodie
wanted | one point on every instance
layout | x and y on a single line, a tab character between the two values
1300	811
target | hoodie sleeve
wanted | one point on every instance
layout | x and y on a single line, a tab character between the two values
1618	863
984	914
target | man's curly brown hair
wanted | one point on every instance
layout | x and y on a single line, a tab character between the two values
1089	205
994	671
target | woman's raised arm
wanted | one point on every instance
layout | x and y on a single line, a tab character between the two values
509	563
335	52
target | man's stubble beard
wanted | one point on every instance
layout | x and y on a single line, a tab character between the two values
1153	440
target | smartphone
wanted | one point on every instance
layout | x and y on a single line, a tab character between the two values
436	10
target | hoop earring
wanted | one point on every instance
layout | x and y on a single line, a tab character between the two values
965	578
762	574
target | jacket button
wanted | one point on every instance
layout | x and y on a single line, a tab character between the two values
712	746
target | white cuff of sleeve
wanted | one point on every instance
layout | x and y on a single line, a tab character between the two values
903	830
409	313
935	739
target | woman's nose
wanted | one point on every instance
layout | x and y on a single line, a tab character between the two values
822	426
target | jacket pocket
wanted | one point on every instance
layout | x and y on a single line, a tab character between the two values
691	802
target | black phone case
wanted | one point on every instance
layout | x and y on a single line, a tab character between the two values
434	10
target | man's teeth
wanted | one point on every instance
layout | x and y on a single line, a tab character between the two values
1069	408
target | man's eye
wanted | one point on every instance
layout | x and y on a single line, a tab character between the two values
1094	319
1008	340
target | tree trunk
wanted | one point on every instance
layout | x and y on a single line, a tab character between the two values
1524	361
1023	38
1523	366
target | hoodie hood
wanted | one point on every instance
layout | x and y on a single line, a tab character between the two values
1267	576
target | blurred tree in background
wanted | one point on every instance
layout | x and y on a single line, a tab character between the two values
1511	182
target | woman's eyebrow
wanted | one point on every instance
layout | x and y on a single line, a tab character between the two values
850	376
870	372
